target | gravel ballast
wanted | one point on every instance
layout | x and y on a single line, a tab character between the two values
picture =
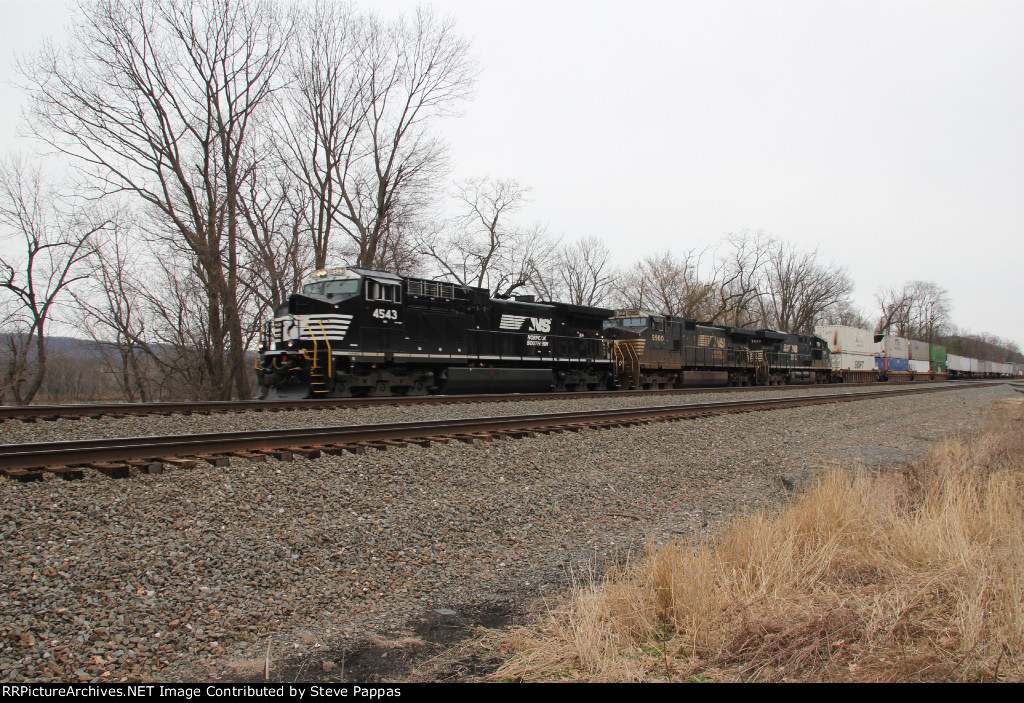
17	432
186	575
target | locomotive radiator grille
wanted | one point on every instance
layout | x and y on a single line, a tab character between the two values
710	340
434	289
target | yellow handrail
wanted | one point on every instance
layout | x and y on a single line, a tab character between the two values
622	357
327	341
313	337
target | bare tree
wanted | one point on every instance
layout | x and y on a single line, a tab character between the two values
929	310
323	115
180	333
112	298
486	249
276	251
894	304
584	272
800	290
400	251
365	93
739	279
666	284
159	100
846	313
48	236
916	309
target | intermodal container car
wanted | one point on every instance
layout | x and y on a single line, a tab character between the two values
847	340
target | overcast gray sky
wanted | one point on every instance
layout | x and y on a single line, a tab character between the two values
890	135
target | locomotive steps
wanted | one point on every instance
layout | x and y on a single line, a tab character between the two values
118	456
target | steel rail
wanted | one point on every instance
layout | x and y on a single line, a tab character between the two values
80	410
81	452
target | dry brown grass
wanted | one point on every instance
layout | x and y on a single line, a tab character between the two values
909	576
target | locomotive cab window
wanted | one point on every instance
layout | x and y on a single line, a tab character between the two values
384	292
626	322
332	289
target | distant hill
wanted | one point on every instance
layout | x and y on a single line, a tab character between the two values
981	348
69	347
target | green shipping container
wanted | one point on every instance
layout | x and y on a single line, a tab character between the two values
938	359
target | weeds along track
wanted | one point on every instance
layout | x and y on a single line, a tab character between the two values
36	413
116	457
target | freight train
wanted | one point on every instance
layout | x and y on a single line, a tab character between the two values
353	331
862	355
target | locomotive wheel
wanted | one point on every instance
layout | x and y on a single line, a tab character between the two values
417	388
341	390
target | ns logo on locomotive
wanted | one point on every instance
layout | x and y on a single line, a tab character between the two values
354	331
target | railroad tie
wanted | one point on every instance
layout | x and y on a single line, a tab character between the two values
251	456
22	475
179	462
111	470
518	434
215	459
153	466
279	454
338	449
65	472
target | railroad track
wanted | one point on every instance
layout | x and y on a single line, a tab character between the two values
35	413
118	456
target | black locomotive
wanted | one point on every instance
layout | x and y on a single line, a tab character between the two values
354	331
661	351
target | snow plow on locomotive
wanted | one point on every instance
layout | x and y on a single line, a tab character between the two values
354	332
